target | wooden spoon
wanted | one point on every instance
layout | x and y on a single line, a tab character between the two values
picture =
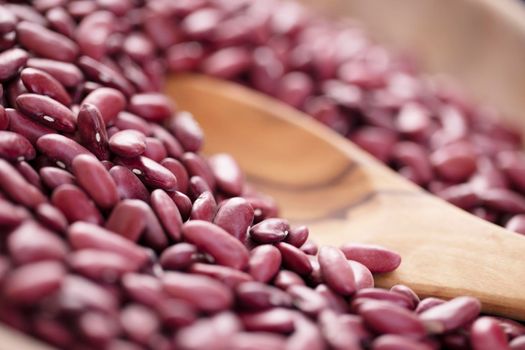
344	195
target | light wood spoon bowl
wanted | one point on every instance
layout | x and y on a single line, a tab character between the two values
344	195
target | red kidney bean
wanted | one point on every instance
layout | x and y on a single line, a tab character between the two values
53	332
170	143
176	313
208	333
143	288
203	292
139	47
97	327
406	291
511	328
78	293
100	265
294	88
377	141
270	231
185	56
297	236
285	279
227	63
154	236
210	238
391	319
31	242
516	224
61	21
454	162
7	20
264	263
306	336
309	247
47	111
42	83
415	157
66	73
198	186
128	219
128	185
83	235
201	23
486	334
45	42
259	296
187	131
15	147
396	342
503	200
227	275
462	195
178	257
75	204
179	171
362	275
276	320
11	61
151	106
128	143
95	180
256	340
4	118
17	188
513	166
375	258
204	207
450	315
93	32
155	149
517	343
31	282
110	102
227	174
150	172
428	303
167	212
139	323
92	131
336	271
183	203
105	75
125	120
30	174
242	211
294	259
334	301
11	215
159	28
307	300
387	296
54	177
336	333
51	217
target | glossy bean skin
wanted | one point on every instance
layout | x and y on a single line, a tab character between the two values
26	126
387	318
128	219
204	207
95	180
92	131
11	61
75	204
362	275
15	147
179	171
451	314
110	102
53	177
265	261
151	106
227	174
242	211
128	184
49	216
270	231
376	259
294	259
42	83
66	73
227	275
17	188
336	271
206	236
178	257
150	172
486	333
187	131
47	111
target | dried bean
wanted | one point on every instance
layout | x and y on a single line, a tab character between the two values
375	258
75	204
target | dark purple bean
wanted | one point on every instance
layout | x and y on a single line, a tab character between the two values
151	106
95	180
154	235
17	188
84	235
110	102
128	185
415	157
66	73
270	231
31	242
178	257
51	217
454	162
32	282
167	212
210	238
4	118
61	21
242	211
29	173
170	143
128	219
183	203
187	131
54	177
227	275
487	334
391	319
263	207
203	292
179	171
294	259
336	271
75	204
47	111
45	42
105	75
204	207
42	83
93	32
150	172
155	149
60	149
15	147
264	263
375	258
100	265
128	143
11	61
451	315
126	120
139	47
92	131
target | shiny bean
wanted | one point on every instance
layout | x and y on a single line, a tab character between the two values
450	315
264	263
486	334
75	204
375	258
391	319
270	231
179	171
11	61
49	216
128	184
47	111
150	172
151	106
128	219
187	131
17	188
227	275
15	147
66	73
178	257
294	259
204	207
42	83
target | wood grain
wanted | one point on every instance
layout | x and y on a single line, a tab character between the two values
345	195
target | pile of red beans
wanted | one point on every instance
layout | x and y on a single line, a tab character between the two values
117	234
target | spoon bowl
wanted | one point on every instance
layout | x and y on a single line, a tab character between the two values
344	195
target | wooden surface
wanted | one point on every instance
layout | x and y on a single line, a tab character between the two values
344	195
481	43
